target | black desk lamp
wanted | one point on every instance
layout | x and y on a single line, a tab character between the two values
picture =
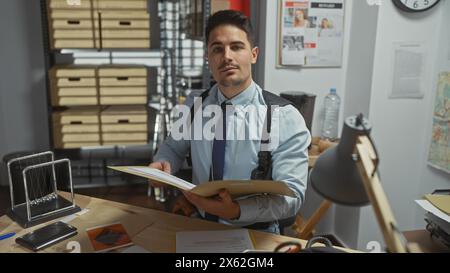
335	175
347	174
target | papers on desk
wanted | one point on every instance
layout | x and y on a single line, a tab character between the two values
426	205
135	249
441	202
438	221
218	241
71	217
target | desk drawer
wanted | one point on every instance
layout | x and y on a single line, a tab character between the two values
72	24
107	24
78	116
75	82
123	81
124	14
124	115
123	100
132	24
77	127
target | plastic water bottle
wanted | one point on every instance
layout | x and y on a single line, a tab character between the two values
330	124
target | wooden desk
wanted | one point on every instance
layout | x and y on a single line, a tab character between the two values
151	229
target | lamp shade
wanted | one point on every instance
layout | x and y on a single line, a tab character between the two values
335	175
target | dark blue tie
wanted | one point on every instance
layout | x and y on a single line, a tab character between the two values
218	153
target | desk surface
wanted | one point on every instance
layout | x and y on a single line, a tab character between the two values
151	229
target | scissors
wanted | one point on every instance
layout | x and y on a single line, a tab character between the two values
288	247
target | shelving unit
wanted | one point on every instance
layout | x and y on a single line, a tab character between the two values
176	60
94	22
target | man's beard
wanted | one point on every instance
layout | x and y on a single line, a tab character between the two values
231	82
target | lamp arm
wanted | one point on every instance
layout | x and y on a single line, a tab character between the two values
306	232
392	236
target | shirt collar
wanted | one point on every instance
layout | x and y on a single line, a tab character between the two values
244	98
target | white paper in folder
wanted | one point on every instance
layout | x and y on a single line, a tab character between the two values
236	188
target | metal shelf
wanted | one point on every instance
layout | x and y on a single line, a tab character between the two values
89	164
170	58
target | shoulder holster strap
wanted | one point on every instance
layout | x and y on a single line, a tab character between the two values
264	169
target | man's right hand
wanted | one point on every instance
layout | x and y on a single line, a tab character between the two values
162	166
183	205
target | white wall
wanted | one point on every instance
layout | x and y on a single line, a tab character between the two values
358	79
317	81
401	127
431	178
358	83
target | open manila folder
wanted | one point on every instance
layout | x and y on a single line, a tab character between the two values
235	187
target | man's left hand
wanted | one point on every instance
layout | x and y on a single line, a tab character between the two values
222	205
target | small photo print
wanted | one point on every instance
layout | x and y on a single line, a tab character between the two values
312	21
293	43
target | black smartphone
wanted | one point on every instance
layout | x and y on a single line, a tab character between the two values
47	236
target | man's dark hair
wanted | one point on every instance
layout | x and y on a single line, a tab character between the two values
233	18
